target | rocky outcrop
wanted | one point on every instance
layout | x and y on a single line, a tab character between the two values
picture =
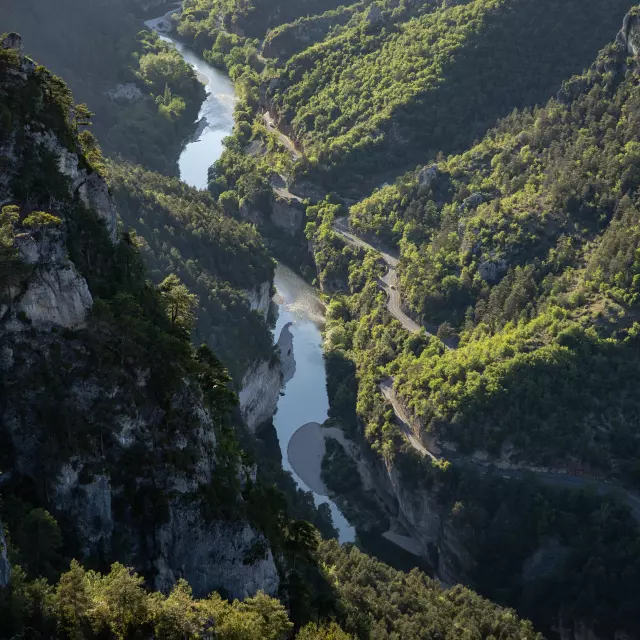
287	359
53	293
473	201
55	296
288	216
492	270
422	516
231	556
374	16
629	36
88	185
260	298
5	567
427	176
260	390
129	92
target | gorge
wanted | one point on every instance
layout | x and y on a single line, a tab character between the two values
300	312
447	360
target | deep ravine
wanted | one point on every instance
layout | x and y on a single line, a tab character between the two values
305	398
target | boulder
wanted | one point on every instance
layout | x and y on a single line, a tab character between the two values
491	270
473	201
13	41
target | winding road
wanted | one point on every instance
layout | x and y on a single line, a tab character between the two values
389	282
394	304
546	477
284	139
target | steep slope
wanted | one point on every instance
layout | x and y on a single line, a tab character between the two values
392	87
527	245
145	97
524	250
183	232
109	418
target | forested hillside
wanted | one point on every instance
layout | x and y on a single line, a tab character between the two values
393	87
145	97
527	246
522	252
181	231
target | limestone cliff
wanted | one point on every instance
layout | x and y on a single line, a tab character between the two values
629	35
260	298
108	417
5	567
259	393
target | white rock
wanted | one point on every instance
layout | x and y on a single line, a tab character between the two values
5	566
260	298
259	393
55	296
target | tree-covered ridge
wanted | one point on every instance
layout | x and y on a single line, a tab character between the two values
375	602
388	90
527	244
381	602
221	260
105	46
252	18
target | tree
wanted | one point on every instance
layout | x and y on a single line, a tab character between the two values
179	303
73	600
120	602
41	221
38	538
177	616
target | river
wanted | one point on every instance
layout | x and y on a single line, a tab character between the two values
305	399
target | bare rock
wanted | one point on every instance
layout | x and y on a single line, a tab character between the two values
287	215
374	15
55	297
5	566
629	36
491	270
13	41
129	92
259	393
260	299
427	176
211	555
287	359
473	201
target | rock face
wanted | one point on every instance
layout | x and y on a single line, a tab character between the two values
121	455
5	567
215	554
427	176
287	359
126	93
89	186
629	36
473	201
374	15
259	393
288	215
260	299
55	296
492	270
